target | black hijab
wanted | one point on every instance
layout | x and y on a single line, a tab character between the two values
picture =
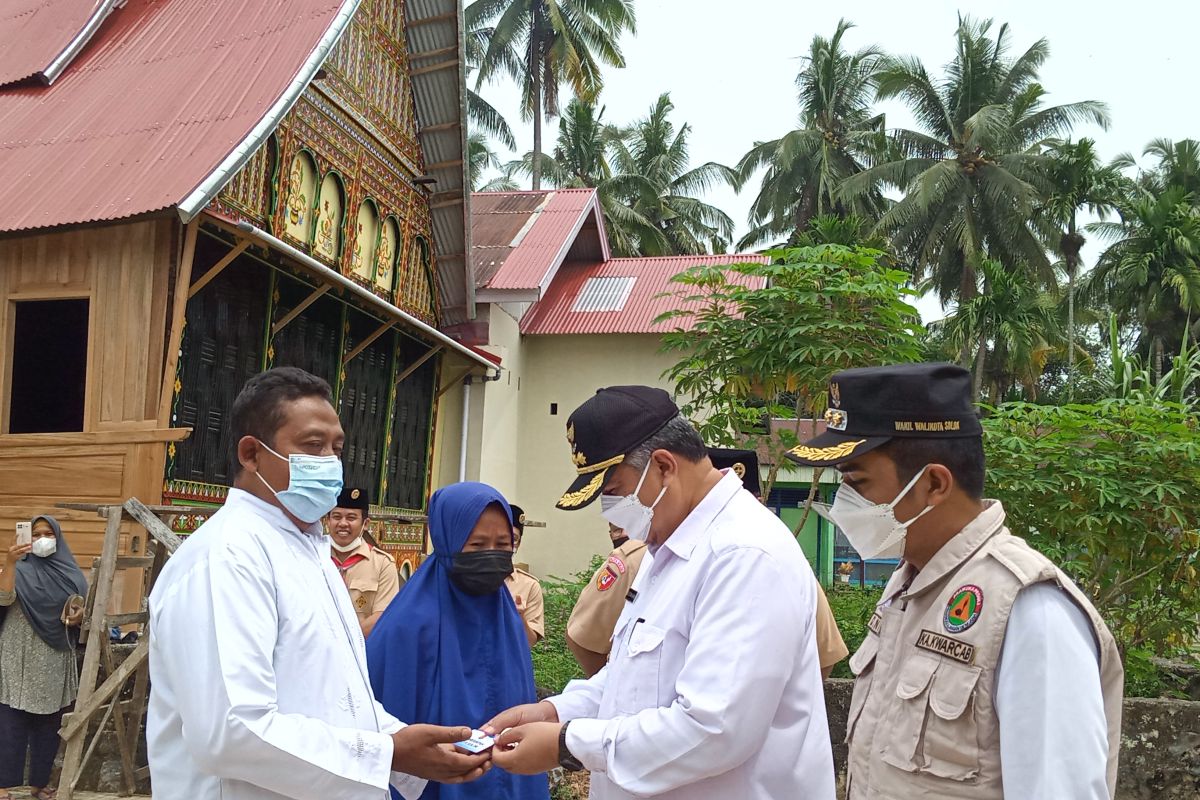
43	586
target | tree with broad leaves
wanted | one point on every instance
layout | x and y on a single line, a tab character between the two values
749	346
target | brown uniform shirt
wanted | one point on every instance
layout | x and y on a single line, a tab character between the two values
371	577
527	594
600	603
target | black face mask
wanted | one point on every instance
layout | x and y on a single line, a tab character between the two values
620	540
482	571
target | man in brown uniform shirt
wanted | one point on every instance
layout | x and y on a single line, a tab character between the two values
370	573
525	589
590	628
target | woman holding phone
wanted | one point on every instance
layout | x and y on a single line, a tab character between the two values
38	673
451	648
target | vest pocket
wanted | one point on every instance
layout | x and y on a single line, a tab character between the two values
862	664
933	728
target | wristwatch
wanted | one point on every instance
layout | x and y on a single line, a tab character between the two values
565	760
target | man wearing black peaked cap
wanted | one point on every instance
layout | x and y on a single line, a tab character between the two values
713	686
986	673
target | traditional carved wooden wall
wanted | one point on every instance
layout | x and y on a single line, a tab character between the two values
355	128
336	180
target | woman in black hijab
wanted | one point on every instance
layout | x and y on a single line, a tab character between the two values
38	677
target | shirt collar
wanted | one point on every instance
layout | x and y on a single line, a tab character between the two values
270	512
685	538
954	552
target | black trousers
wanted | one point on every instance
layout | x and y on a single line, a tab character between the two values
23	733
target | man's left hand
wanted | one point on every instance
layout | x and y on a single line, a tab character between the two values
529	749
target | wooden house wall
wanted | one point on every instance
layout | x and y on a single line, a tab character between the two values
123	270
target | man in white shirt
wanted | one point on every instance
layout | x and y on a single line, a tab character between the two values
713	687
259	685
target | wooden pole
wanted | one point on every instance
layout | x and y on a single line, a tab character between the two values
365	343
225	261
72	759
299	309
183	280
413	367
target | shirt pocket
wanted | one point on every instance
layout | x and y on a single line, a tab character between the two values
640	669
862	664
933	727
362	595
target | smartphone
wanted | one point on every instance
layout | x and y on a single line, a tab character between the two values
24	533
479	742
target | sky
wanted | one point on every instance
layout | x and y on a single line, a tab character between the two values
731	66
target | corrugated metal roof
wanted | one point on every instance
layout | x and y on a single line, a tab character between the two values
556	313
438	73
36	32
521	238
149	108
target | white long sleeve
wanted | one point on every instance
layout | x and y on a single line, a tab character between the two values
259	685
713	688
1053	732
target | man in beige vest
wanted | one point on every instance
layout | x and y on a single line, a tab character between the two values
525	589
986	673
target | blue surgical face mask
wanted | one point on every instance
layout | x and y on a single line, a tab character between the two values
314	483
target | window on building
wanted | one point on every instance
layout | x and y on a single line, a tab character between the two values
49	366
604	294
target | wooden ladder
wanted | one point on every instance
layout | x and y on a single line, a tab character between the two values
109	700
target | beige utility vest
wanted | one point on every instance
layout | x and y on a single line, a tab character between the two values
922	720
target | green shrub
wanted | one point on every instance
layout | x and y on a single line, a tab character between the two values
1111	493
852	608
553	664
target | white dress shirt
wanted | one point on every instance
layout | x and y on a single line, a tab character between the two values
713	688
259	687
1053	732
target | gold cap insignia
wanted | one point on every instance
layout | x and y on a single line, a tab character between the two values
836	419
835	395
739	469
354	494
579	458
521	519
833	453
571	433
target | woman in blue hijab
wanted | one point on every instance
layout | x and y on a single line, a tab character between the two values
451	648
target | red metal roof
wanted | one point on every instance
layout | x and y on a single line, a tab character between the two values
555	314
518	239
161	95
34	32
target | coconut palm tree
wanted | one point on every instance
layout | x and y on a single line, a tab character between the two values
1077	181
653	178
480	159
1150	273
838	132
556	41
1018	318
973	175
580	159
482	116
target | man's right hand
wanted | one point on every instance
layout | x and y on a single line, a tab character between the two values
427	751
521	715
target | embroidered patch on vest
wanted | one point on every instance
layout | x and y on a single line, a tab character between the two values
963	609
874	623
606	579
945	646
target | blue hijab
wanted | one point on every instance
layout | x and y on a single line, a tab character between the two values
440	656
